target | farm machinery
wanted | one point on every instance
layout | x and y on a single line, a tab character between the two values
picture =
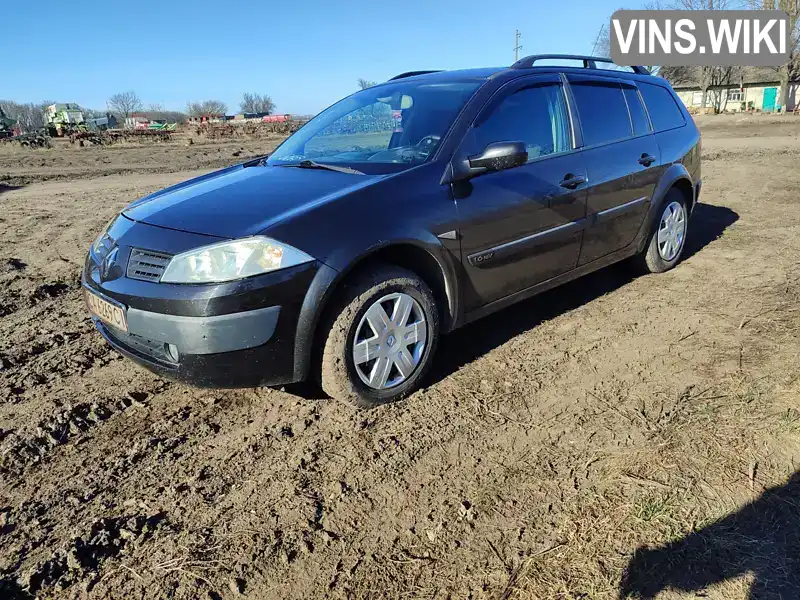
64	119
10	132
68	121
7	126
111	136
261	127
34	139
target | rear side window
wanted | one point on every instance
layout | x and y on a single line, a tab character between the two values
638	116
536	115
661	106
603	112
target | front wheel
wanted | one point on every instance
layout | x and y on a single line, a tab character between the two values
380	338
668	237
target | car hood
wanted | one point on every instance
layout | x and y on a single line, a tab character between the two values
240	201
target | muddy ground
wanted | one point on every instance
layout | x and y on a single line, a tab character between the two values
619	435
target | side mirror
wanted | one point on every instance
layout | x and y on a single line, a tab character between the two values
497	156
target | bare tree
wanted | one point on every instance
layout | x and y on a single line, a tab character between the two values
125	103
256	103
207	108
365	83
29	117
678	75
709	75
602	43
721	79
155	107
790	70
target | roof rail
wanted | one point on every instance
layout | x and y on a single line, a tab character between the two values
589	62
412	73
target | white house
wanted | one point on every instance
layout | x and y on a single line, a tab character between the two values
757	91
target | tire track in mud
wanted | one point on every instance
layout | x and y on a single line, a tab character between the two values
39	355
82	558
169	432
56	355
22	448
14	274
48	357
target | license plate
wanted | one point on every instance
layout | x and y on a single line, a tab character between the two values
108	313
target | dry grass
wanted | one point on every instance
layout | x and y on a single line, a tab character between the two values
712	453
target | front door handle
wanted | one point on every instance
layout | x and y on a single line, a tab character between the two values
572	181
647	159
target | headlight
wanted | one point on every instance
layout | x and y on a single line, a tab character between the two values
99	240
232	260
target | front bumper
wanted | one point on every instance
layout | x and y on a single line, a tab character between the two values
207	335
235	334
270	364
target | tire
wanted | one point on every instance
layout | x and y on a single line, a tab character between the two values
387	287
654	258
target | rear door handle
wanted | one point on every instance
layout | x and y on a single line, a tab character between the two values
647	160
572	181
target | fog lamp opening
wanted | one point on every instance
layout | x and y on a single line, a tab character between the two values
172	352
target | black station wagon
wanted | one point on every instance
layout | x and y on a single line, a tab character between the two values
396	215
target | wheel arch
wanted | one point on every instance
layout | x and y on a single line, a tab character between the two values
684	185
677	177
430	260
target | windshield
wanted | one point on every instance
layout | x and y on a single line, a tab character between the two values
380	129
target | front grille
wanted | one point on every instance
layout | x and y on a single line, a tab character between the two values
147	266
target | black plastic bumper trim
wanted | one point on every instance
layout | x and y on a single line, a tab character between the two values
206	335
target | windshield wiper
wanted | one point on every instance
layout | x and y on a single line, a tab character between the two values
310	164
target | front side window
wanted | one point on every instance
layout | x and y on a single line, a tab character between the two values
381	129
536	115
603	112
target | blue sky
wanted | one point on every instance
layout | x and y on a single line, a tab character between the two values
305	54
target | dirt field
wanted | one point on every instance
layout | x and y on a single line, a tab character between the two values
618	435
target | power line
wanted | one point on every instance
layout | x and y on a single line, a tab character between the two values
517	47
597	39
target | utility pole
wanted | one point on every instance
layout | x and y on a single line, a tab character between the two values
517	46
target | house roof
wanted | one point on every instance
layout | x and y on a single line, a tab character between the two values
749	76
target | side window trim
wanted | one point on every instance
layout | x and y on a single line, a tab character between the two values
603	81
572	110
646	113
630	113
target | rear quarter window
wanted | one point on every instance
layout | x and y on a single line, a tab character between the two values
662	107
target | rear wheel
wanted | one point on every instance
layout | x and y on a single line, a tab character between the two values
668	237
380	338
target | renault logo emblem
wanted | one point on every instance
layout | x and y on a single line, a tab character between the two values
108	263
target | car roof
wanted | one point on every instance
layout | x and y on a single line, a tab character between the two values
455	75
527	66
